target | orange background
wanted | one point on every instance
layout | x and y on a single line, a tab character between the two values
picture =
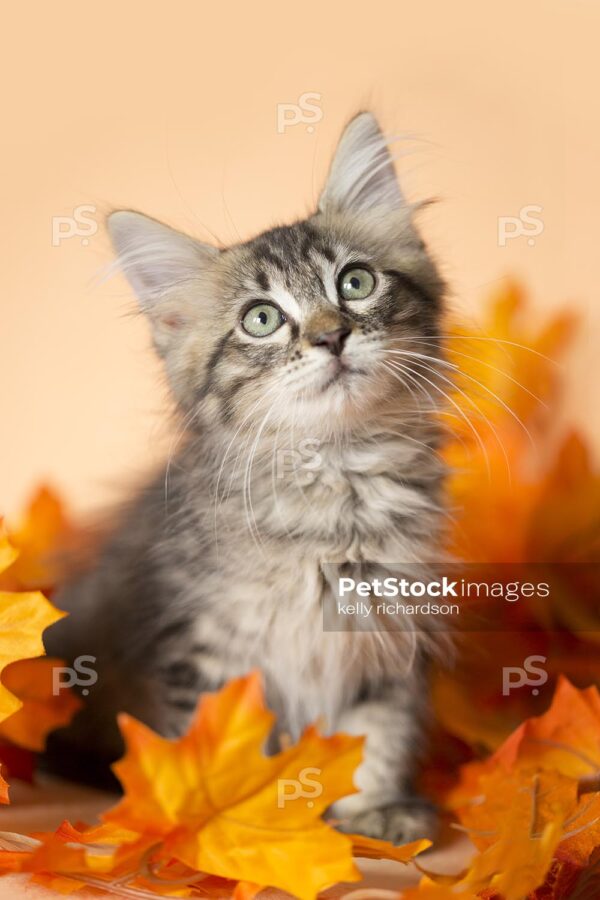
171	108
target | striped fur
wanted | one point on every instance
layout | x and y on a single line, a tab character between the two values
291	460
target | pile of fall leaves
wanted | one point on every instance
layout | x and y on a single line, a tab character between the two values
519	773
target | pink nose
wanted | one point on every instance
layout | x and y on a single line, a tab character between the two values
333	340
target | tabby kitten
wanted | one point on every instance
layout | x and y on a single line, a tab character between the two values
306	443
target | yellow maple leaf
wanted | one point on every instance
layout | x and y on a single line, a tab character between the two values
23	618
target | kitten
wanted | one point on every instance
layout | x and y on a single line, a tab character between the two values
306	443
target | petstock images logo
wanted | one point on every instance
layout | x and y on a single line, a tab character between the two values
453	597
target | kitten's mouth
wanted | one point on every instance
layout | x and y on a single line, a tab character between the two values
342	373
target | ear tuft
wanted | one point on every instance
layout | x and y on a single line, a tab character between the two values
362	175
154	257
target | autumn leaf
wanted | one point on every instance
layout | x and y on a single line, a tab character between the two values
372	848
506	369
191	804
563	629
520	493
468	698
508	388
546	775
29	706
517	863
23	618
565	739
40	539
529	809
43	709
205	804
517	824
565	524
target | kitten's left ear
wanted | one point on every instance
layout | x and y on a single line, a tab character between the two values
362	175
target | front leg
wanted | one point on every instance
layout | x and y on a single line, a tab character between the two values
386	807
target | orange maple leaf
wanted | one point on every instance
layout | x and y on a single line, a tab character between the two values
41	538
206	804
213	802
532	809
546	774
565	739
506	368
516	852
43	709
508	387
521	494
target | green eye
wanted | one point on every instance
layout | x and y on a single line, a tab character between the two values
262	319
356	284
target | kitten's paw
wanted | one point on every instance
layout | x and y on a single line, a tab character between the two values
398	823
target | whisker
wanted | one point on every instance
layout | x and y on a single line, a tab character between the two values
461	412
471	337
470	400
220	500
481	362
479	384
247	493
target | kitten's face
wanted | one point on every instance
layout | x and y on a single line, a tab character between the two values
301	326
308	316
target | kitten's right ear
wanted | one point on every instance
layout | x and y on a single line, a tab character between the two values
160	263
155	258
362	175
